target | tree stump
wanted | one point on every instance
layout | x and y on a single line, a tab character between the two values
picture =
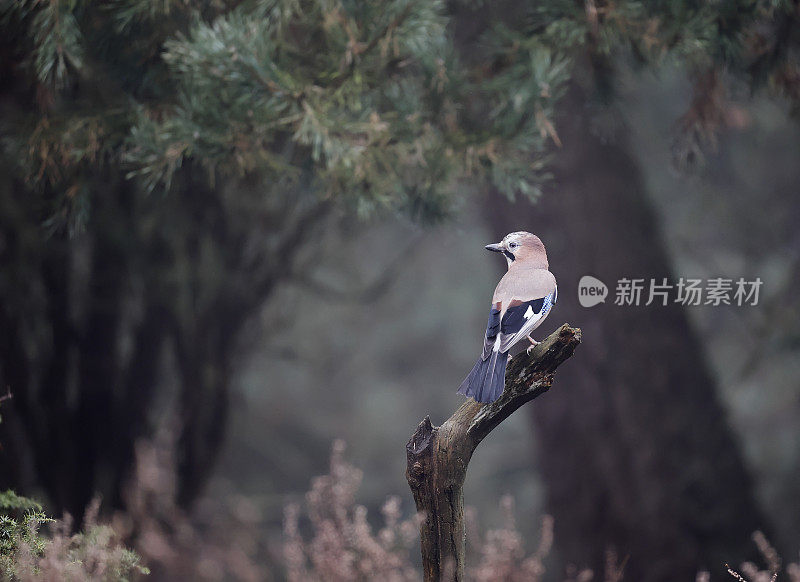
438	456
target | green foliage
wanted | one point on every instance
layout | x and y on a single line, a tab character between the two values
20	519
696	34
360	102
356	100
28	554
55	35
11	502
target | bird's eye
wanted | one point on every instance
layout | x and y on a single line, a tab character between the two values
513	245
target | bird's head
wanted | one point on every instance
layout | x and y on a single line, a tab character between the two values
522	247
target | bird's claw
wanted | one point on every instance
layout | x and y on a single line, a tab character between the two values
534	343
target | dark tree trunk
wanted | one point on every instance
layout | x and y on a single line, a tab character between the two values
637	454
85	323
438	456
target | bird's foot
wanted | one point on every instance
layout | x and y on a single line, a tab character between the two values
534	343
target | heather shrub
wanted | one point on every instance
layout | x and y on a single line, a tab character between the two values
36	547
217	540
342	545
328	538
750	572
501	551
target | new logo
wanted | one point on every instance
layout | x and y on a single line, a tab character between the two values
591	291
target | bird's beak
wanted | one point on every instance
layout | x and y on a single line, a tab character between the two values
496	247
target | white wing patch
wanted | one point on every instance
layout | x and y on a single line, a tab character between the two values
532	321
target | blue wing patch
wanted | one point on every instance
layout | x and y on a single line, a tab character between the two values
515	317
549	301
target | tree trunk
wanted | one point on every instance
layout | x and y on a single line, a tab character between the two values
637	455
438	456
96	326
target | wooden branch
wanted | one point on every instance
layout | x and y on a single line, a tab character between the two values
437	456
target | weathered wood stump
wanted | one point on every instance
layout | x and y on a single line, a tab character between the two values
438	456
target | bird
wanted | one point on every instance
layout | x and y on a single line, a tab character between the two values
522	300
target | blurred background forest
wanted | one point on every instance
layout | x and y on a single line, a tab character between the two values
232	232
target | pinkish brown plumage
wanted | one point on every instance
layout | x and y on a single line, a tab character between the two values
521	302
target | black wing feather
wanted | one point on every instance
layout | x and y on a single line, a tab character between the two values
514	318
492	329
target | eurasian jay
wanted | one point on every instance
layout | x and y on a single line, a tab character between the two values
521	301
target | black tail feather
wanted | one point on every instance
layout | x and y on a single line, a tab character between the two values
487	380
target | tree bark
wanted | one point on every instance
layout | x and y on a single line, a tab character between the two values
438	456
